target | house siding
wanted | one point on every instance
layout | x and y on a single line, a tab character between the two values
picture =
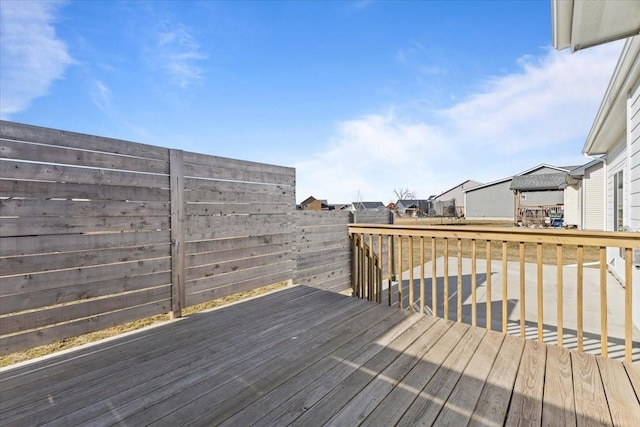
457	193
542	171
633	129
593	198
616	162
572	206
542	198
633	126
492	201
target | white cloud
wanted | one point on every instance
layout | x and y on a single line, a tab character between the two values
549	103
540	114
178	53
32	57
101	96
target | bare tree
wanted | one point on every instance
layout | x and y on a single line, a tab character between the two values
404	194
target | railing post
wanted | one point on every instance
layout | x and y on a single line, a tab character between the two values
628	303
604	328
176	183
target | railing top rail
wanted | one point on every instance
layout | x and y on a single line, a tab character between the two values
554	236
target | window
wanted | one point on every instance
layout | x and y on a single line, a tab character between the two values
618	204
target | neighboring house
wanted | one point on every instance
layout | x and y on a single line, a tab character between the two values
584	196
457	194
367	206
493	201
539	195
413	208
313	204
497	201
615	132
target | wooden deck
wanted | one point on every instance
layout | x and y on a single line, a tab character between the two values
307	357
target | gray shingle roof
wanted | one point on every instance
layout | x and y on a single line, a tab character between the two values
550	181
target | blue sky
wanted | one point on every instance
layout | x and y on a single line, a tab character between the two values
362	97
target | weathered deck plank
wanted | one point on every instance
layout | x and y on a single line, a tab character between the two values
558	405
302	356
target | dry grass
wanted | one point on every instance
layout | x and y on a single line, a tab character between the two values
44	350
591	254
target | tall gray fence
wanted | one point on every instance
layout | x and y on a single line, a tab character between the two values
323	248
95	232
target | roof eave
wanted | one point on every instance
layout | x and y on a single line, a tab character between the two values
609	125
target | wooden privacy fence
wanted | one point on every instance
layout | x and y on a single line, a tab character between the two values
445	267
95	232
323	251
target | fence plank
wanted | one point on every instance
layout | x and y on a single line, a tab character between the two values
57	261
30	300
39	207
93	307
29	133
31	226
79	175
30	245
68	156
52	279
56	190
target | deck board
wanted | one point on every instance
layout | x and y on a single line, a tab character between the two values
558	405
303	356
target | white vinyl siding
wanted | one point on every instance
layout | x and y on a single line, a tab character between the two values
593	198
572	205
616	162
633	127
491	201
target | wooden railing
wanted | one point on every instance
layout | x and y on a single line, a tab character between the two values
512	254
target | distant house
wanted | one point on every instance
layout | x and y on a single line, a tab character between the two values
457	194
539	195
367	206
313	204
413	208
492	201
496	200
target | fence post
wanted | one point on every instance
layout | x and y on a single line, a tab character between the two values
176	171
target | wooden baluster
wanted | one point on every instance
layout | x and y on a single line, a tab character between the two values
580	262
504	287
411	307
389	267
604	329
459	294
434	278
488	285
628	294
522	291
422	275
560	297
540	293
446	279
400	271
370	267
474	282
379	291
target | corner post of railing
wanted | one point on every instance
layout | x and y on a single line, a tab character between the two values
628	315
176	186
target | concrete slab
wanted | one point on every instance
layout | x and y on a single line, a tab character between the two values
549	320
